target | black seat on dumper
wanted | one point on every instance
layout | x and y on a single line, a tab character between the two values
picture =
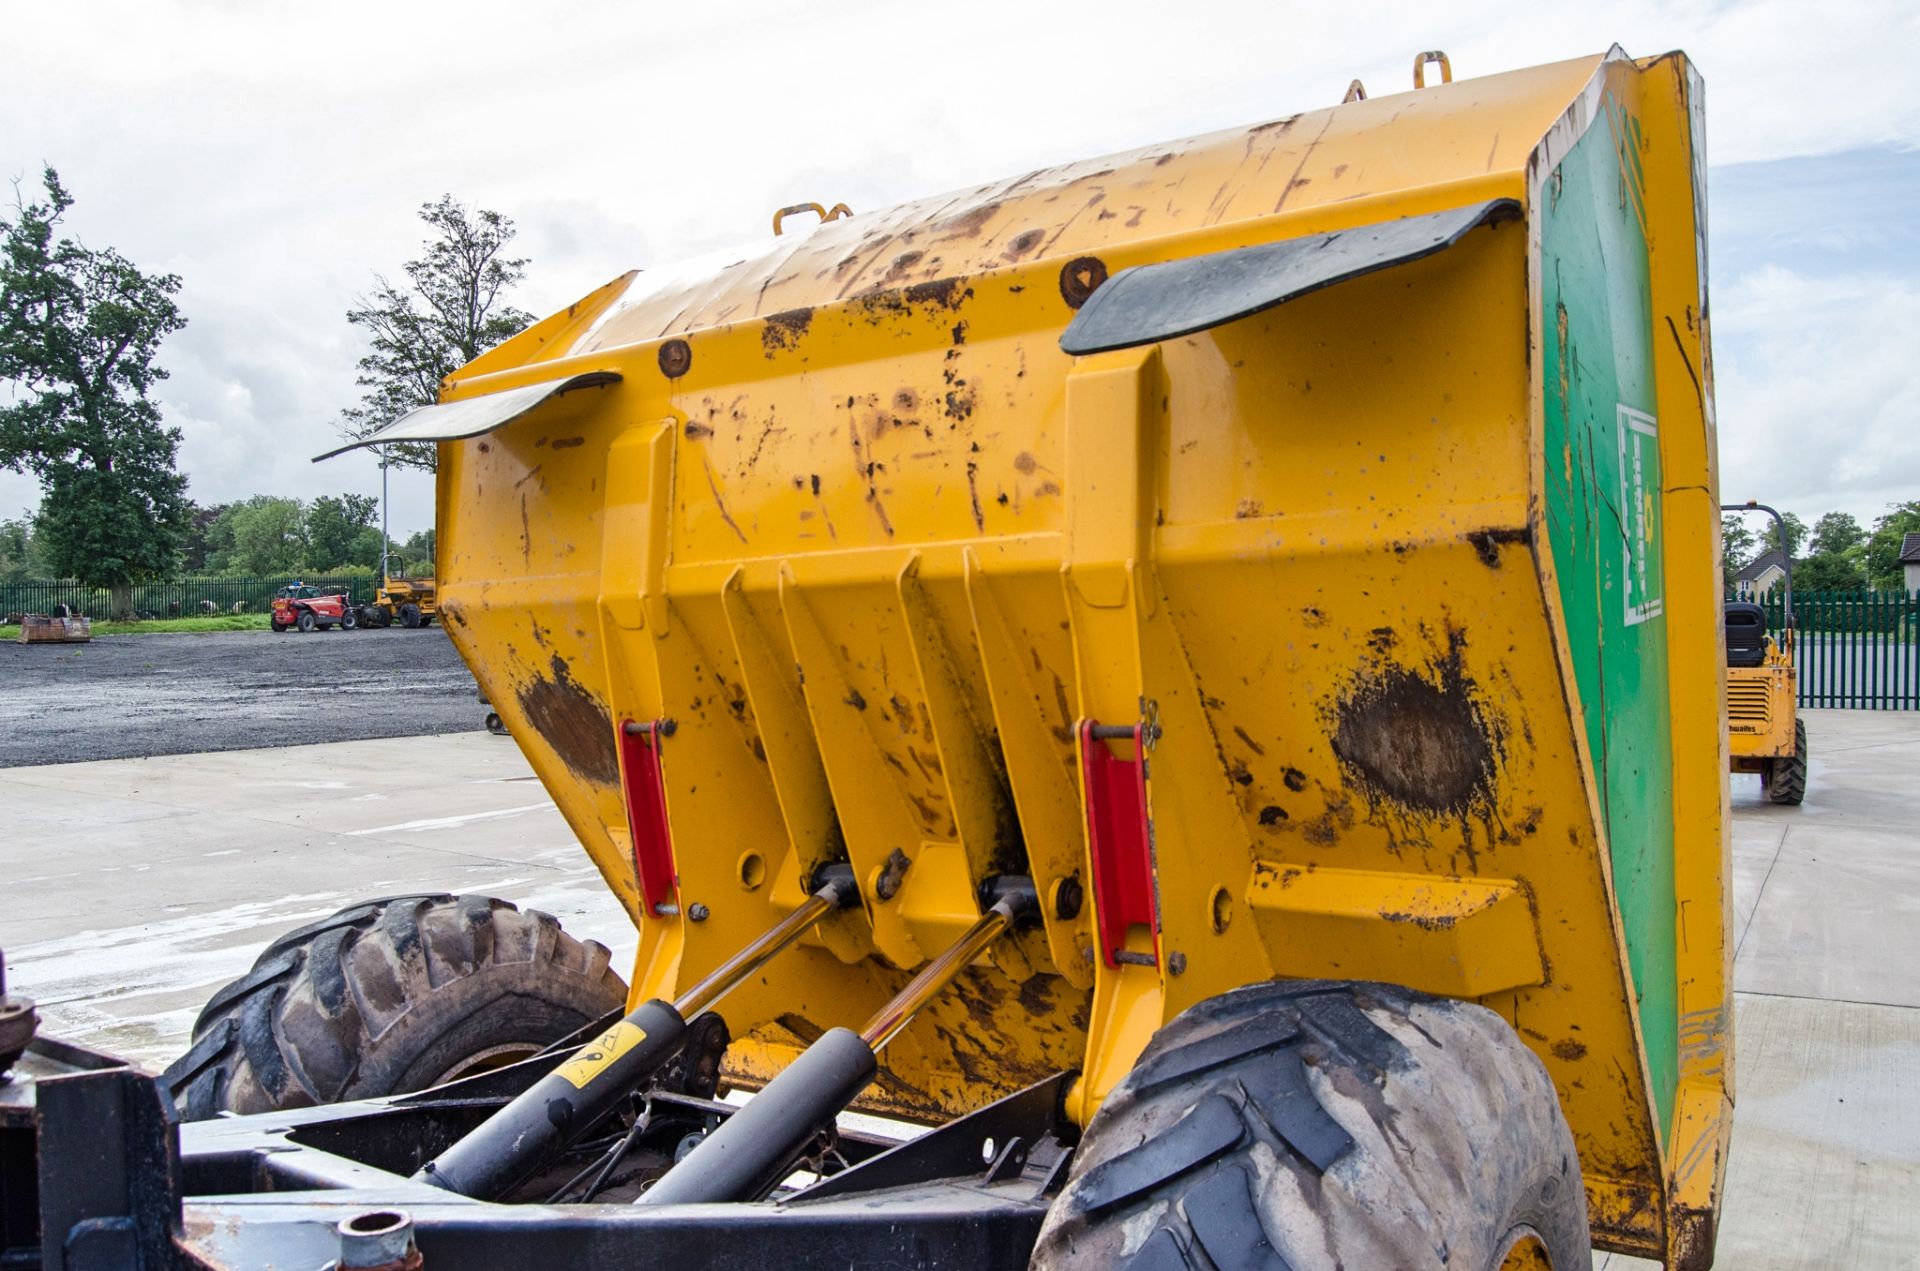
1746	634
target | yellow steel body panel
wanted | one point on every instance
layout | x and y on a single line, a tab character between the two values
857	525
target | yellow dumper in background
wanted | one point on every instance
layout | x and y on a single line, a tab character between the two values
1765	733
1234	623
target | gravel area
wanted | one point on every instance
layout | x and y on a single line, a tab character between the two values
123	697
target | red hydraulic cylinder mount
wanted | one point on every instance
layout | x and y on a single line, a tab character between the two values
647	812
1119	838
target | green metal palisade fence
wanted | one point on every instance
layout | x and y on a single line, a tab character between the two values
181	598
1858	649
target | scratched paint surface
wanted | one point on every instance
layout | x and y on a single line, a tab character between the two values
1603	485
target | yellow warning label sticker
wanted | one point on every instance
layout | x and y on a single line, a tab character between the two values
592	1059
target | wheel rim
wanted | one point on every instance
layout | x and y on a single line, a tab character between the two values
1525	1251
501	1056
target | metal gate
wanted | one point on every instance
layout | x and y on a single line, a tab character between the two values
1855	649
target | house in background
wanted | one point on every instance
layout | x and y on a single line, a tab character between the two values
1766	570
1910	560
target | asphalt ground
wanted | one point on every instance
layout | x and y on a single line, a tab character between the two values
127	697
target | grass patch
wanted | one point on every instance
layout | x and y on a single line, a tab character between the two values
170	626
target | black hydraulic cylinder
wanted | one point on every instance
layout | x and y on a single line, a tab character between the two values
514	1142
759	1145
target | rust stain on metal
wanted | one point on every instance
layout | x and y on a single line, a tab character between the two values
945	292
1487	543
1080	278
1022	243
719	502
573	722
784	329
676	358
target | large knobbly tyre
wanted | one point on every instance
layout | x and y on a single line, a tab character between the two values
389	996
1311	1125
410	615
1787	775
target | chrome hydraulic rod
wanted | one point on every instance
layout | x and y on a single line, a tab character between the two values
758	1146
548	1116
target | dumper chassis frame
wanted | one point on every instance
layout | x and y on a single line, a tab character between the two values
92	1158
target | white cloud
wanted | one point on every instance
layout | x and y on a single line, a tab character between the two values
273	155
1819	404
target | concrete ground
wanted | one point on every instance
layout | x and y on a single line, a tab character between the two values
134	888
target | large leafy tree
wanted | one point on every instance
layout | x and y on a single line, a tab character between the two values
22	553
1836	533
1833	560
1737	544
452	309
80	331
1882	550
1796	533
1829	571
337	528
269	536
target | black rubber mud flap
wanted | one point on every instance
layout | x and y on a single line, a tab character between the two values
1150	303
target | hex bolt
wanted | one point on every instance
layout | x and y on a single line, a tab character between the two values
378	1240
697	912
1177	963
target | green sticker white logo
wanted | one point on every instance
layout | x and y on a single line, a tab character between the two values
1640	514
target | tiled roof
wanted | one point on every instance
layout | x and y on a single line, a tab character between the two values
1769	559
1910	550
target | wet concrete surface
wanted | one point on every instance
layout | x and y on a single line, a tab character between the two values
122	697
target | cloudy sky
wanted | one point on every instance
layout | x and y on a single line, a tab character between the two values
273	155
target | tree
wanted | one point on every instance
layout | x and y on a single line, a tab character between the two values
335	524
202	540
454	310
1737	543
22	552
1836	533
365	549
1796	531
1881	554
1829	571
269	537
80	329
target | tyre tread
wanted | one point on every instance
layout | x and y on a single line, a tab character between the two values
310	1021
1222	1113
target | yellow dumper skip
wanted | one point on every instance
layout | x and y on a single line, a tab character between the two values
1339	489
